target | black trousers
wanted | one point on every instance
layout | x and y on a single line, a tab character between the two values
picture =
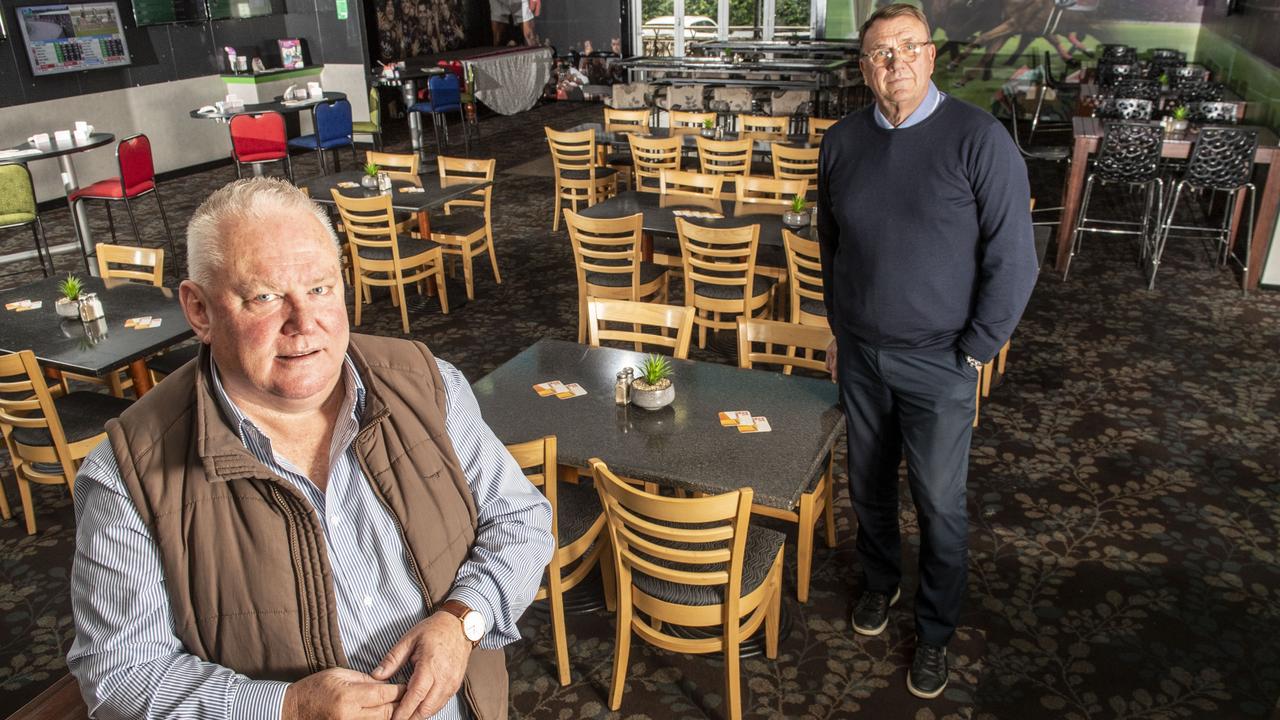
920	402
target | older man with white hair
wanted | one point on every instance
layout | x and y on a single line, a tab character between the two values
301	523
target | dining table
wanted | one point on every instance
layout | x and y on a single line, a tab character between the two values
419	198
407	79
683	445
63	152
99	347
762	142
279	104
1087	134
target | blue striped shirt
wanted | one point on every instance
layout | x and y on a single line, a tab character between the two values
128	660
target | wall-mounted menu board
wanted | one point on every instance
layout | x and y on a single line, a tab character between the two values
161	12
227	9
73	36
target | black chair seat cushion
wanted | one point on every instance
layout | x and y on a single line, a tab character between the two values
761	286
84	415
169	362
648	273
577	509
459	222
813	307
408	246
761	548
666	245
622	158
601	173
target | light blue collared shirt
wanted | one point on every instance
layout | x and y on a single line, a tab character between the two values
932	100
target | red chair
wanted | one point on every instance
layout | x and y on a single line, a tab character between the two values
259	139
137	178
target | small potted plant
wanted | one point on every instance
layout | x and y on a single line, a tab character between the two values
1180	122
370	179
653	389
709	128
1164	79
796	216
68	305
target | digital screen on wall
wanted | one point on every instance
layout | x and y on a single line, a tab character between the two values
163	12
73	36
230	9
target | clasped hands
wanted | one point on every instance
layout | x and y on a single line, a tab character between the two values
438	650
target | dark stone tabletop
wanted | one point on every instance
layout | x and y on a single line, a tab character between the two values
403	197
682	445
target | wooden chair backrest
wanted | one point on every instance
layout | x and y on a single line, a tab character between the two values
762	123
26	402
636	316
370	223
718	256
572	150
606	245
819	126
399	166
792	162
152	259
537	459
804	268
769	191
651	156
688	119
682	183
790	336
464	171
705	536
724	157
626	120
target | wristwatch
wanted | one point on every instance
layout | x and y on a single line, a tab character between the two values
974	363
472	621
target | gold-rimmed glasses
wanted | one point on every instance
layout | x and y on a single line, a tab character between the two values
906	52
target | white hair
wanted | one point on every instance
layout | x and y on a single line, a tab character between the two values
251	201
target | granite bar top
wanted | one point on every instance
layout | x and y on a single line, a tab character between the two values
682	445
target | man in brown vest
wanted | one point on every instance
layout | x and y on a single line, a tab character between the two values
301	523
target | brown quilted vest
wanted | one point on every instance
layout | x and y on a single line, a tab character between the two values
244	558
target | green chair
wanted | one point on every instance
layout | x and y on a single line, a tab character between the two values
18	208
373	126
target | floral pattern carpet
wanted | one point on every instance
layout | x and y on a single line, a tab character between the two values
1124	500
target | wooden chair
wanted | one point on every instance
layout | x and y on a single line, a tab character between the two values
989	370
607	260
690	562
469	233
623	121
42	448
640	315
818	499
399	166
677	183
720	274
768	191
724	157
578	524
139	263
693	120
650	156
818	127
578	177
804	280
792	162
762	124
381	256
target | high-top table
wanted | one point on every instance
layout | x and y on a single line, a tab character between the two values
682	445
280	105
27	152
1087	133
103	346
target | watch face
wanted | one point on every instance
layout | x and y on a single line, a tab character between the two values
473	626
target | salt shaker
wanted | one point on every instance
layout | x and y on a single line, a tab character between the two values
620	388
631	376
90	307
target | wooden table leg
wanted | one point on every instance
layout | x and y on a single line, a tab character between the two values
1074	187
424	231
1266	223
141	377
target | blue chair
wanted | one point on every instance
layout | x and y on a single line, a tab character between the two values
445	95
332	122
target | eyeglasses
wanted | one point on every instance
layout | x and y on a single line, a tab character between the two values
907	52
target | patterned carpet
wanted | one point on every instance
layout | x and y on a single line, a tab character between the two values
1124	501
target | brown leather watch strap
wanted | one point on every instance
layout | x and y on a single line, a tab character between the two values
458	609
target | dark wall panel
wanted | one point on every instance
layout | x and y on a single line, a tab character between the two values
1252	24
164	53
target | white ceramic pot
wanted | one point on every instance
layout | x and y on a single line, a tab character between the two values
369	182
795	219
644	396
1179	126
708	132
67	308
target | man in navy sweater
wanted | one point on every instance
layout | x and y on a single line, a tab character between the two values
928	260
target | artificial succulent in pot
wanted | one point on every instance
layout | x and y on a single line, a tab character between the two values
796	213
370	178
653	389
71	288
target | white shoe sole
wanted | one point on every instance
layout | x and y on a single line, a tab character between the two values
920	693
872	632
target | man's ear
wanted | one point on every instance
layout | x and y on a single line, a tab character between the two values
195	305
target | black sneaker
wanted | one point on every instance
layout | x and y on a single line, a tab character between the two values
928	674
871	613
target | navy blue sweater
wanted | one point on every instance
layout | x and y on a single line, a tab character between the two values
925	231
